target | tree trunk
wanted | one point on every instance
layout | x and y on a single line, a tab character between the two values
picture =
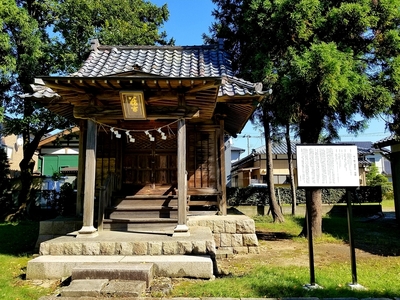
316	212
273	205
290	164
310	129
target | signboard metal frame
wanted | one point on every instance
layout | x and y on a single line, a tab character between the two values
328	166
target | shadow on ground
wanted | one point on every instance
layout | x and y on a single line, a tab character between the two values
376	234
273	236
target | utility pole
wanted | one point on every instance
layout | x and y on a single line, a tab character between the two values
248	143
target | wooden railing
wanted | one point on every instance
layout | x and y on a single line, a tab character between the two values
105	195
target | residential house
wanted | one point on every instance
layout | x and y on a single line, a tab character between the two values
235	153
252	168
379	156
393	142
13	146
59	155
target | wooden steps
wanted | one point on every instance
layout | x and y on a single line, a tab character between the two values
130	212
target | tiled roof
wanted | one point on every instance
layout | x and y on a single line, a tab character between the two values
204	73
40	91
277	148
170	61
359	144
387	141
233	148
167	61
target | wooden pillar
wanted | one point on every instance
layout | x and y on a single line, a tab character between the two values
88	230
182	229
222	200
395	164
81	168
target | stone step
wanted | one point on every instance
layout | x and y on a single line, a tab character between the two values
143	212
114	271
61	266
148	202
104	288
114	289
146	196
153	225
141	221
166	207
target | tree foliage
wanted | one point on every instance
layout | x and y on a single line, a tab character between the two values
331	64
44	37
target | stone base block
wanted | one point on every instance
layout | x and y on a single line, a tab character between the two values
61	266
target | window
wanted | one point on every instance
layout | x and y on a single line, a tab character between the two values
281	179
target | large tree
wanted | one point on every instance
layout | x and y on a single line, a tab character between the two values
331	64
43	37
263	117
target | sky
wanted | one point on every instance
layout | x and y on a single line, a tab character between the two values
189	19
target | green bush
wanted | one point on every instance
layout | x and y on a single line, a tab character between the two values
60	203
259	196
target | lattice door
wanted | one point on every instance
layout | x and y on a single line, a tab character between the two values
147	162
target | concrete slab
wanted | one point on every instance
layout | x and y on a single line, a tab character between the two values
60	266
129	288
86	288
113	271
177	265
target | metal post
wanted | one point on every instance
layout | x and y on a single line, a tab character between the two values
351	240
310	238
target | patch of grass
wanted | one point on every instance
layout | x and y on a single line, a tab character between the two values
288	281
387	205
269	278
292	225
18	238
17	241
253	277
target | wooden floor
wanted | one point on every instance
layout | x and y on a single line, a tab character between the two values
149	189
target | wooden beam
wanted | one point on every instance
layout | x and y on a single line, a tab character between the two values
115	112
203	87
89	112
69	88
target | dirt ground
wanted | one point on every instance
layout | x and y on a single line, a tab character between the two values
276	248
287	252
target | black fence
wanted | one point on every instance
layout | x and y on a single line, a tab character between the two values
259	196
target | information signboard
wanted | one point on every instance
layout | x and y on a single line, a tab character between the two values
327	166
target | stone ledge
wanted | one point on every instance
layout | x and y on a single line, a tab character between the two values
74	247
233	232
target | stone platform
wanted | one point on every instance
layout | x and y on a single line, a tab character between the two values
139	242
173	256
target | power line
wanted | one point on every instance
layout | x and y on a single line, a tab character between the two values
346	135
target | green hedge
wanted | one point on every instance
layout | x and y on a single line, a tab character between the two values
259	196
